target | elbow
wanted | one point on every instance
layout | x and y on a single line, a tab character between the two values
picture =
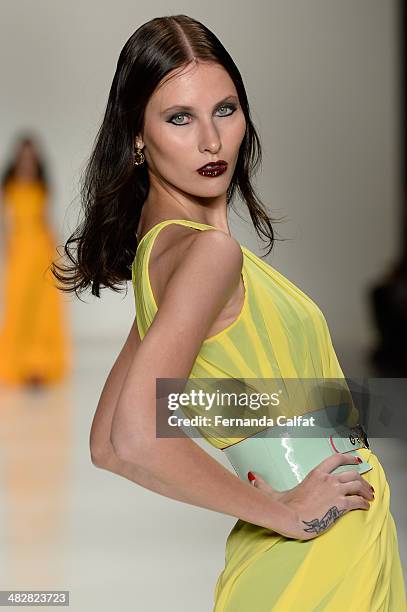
120	447
107	455
125	448
128	443
118	440
100	449
100	456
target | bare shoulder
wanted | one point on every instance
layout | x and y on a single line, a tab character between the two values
210	248
205	277
212	254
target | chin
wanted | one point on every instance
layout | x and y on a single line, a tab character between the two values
208	193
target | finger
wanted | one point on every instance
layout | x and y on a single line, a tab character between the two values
347	476
252	478
351	475
356	502
354	487
259	482
333	461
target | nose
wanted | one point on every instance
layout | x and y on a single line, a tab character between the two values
209	139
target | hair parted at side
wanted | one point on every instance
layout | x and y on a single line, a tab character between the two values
112	188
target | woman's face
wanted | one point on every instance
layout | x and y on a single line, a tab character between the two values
26	160
178	141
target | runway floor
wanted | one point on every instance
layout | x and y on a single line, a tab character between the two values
66	525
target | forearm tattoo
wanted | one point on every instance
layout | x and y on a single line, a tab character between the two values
318	525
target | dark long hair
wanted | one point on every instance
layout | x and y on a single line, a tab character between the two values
113	189
22	139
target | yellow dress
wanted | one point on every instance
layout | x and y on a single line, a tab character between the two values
353	566
33	337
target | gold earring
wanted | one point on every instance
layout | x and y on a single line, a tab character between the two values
139	157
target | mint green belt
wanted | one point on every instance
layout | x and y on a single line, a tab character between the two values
284	461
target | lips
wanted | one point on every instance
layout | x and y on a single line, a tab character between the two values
218	165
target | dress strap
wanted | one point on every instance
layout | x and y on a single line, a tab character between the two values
189	223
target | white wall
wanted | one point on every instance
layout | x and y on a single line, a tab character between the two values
322	80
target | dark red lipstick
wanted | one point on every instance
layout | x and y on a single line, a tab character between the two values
213	168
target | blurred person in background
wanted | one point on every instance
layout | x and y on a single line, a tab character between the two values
33	340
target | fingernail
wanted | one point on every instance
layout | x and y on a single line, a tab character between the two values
358	459
372	488
251	476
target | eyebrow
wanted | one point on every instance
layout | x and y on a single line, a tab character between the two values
180	107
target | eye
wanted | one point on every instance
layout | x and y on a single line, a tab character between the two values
178	115
231	107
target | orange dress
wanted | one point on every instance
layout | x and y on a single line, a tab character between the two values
33	338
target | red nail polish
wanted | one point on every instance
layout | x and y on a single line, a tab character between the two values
251	476
359	460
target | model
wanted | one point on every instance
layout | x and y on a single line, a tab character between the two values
175	145
35	346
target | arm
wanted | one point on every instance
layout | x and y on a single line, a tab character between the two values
102	452
101	448
178	467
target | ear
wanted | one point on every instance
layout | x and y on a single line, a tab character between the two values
138	141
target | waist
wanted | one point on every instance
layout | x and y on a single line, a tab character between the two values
284	460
